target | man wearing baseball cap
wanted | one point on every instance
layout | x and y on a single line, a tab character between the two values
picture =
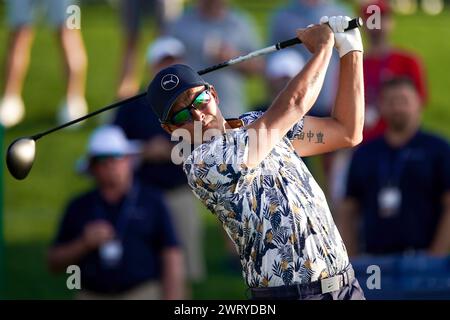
119	234
156	168
250	174
383	62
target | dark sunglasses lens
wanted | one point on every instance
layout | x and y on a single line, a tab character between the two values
184	115
202	100
104	158
181	117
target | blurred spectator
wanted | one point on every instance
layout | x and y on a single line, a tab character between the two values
299	14
163	52
132	11
281	67
212	32
119	234
382	62
20	19
398	190
157	169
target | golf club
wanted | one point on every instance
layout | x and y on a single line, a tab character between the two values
22	151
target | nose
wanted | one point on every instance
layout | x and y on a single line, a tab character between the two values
110	163
197	115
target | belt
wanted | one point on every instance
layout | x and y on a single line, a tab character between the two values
300	290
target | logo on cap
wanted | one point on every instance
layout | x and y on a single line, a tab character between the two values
169	82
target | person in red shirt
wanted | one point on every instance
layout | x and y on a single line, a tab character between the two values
383	62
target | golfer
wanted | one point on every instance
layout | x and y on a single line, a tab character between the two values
250	174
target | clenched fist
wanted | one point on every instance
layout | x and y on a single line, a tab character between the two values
316	37
347	41
97	233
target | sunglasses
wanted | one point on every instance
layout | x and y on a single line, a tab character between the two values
184	115
103	158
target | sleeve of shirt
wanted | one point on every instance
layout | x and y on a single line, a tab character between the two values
166	227
69	226
297	130
353	186
120	118
294	133
445	165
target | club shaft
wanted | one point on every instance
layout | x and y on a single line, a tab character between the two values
354	23
239	59
112	106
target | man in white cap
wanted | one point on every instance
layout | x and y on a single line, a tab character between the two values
280	67
163	52
119	234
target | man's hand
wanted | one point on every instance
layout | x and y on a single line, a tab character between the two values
94	235
297	97
344	128
97	233
316	37
347	41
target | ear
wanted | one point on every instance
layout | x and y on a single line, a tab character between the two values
215	95
166	128
90	170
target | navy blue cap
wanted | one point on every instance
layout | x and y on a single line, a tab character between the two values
168	84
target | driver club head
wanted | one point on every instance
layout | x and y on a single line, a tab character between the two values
20	157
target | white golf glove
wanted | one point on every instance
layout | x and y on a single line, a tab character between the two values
346	41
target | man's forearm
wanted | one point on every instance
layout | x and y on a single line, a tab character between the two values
289	107
349	107
295	99
61	256
299	95
173	278
347	222
302	91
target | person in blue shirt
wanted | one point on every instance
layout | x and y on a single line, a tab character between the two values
120	233
398	188
156	168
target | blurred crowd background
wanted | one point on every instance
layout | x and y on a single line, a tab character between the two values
390	197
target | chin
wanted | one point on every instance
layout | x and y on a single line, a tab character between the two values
398	125
212	124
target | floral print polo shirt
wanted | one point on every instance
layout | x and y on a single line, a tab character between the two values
276	213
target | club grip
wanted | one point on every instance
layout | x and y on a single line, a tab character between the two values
352	24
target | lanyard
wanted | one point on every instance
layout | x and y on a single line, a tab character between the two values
391	166
124	212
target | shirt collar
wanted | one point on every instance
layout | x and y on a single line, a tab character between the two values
235	123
